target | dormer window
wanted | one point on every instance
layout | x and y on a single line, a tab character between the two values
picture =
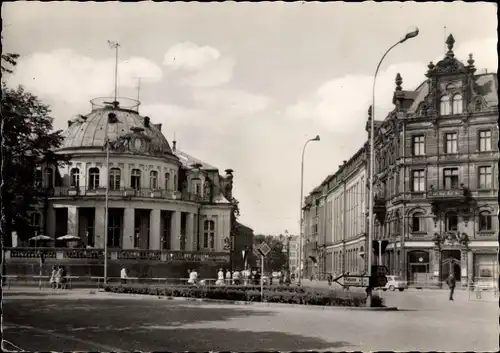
458	104
444	106
196	186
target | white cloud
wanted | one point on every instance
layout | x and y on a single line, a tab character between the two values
230	102
204	65
341	104
77	78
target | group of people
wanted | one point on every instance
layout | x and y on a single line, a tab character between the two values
237	277
58	277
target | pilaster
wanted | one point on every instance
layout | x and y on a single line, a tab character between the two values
99	227
190	232
155	229
175	231
128	228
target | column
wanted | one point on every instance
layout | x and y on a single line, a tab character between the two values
175	231
128	228
470	266
51	222
190	232
99	227
73	220
463	266
155	229
436	263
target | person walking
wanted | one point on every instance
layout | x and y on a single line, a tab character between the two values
52	280
58	277
451	282
220	278
123	275
228	277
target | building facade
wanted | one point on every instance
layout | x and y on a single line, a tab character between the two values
436	179
163	203
334	214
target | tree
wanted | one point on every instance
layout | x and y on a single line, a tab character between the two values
276	260
27	140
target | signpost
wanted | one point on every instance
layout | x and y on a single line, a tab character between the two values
356	281
263	249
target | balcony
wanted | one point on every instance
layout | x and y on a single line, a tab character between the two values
125	193
60	254
447	195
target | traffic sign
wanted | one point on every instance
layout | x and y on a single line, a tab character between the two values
256	251
356	281
264	249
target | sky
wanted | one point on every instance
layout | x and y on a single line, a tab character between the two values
244	85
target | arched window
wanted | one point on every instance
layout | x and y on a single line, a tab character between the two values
451	222
417	222
114	178
75	177
93	178
49	177
458	104
135	179
444	106
167	181
484	221
153	179
209	234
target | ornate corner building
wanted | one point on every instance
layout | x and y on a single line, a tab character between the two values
436	179
164	205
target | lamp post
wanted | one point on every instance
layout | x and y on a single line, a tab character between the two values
409	35
301	203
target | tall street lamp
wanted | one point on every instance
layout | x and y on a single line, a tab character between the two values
301	203
409	35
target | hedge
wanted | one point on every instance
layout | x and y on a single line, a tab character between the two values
290	295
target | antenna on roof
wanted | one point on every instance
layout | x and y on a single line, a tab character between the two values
138	87
115	45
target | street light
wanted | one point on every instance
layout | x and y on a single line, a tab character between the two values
300	214
409	35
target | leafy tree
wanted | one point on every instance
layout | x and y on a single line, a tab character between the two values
27	140
276	260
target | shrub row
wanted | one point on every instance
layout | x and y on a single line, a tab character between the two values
330	298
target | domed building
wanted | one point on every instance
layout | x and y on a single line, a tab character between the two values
164	205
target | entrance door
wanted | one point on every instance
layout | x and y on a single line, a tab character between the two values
450	264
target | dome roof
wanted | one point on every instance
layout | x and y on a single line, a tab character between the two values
89	131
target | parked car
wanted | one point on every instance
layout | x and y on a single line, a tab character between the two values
395	282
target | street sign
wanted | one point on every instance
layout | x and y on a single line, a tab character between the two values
356	281
264	249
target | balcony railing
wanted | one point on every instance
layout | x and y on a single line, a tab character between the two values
61	192
446	194
116	254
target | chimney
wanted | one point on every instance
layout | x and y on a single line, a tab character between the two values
174	143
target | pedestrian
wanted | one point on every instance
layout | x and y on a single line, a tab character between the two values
228	277
58	277
193	277
64	278
236	277
220	278
451	282
123	275
330	279
52	280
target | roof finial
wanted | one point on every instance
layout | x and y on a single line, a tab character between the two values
399	81
174	143
449	42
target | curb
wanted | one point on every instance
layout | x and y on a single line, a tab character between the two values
245	303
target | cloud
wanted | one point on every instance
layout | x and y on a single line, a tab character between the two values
66	74
230	101
341	104
203	65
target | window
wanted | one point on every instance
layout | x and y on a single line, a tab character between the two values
175	182
93	178
451	141
418	177
167	181
485	140
114	229
135	179
450	179
36	221
38	179
49	177
75	177
114	178
209	234
451	221
485	178
484	221
196	186
419	145
458	104
416	223
153	179
444	107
